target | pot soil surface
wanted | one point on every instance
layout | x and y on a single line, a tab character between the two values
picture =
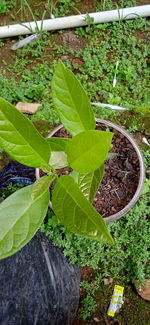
121	176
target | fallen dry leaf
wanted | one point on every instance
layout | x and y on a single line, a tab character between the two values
144	292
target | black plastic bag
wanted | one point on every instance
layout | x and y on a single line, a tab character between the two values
15	173
38	286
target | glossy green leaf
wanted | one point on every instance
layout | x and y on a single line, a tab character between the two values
57	144
71	101
20	218
41	185
20	138
87	151
89	183
76	213
58	159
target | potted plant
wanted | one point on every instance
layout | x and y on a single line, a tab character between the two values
137	176
22	213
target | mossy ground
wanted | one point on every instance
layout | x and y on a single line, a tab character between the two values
134	311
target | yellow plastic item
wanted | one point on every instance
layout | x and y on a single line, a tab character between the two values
116	300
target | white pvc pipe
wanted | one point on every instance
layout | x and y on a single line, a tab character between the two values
74	21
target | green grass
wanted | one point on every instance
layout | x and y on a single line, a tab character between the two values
29	77
107	44
6	5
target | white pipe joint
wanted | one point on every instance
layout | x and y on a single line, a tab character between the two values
74	21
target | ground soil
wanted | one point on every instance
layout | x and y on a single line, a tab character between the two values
73	42
121	175
135	310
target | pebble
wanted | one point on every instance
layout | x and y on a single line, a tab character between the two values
77	62
96	319
64	57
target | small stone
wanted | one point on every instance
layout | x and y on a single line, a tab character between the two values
64	57
120	192
120	175
96	319
77	62
108	281
128	165
100	202
113	209
108	187
28	108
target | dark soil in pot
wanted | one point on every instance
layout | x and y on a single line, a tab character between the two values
121	174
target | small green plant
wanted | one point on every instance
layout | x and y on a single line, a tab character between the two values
3	7
6	5
10	189
89	304
22	213
62	7
89	20
38	29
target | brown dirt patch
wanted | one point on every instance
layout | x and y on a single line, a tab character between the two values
73	41
6	55
142	35
87	6
120	179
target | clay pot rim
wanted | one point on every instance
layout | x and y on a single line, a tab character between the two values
137	194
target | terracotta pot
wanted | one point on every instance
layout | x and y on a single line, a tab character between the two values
136	196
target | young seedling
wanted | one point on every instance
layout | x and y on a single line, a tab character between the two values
22	213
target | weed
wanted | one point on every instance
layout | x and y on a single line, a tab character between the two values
109	5
100	58
11	188
89	305
146	153
1	43
6	5
63	7
89	20
3	7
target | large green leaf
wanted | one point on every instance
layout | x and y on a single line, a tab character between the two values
76	213
89	183
20	138
87	151
20	217
71	101
57	144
